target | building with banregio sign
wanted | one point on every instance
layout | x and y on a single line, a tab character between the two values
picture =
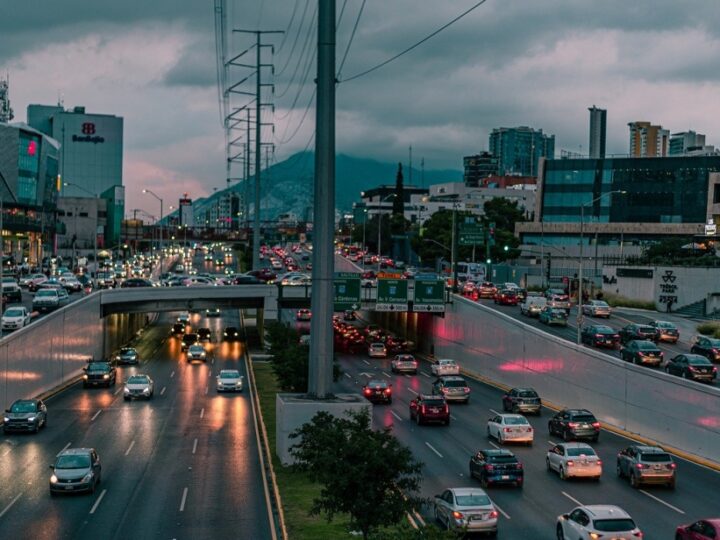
90	168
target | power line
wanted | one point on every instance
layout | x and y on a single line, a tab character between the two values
301	58
426	38
352	36
302	120
297	36
287	29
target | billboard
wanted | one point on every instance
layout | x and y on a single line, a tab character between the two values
186	213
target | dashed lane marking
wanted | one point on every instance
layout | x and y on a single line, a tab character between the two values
95	415
184	498
658	499
98	501
9	506
573	499
431	447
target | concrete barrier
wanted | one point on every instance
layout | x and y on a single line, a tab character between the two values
638	400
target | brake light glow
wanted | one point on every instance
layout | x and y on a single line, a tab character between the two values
457	515
507	430
638	534
596	425
599	462
489	468
467	390
493	514
447	409
639	466
672	466
422	409
573	424
570	463
368	391
387	390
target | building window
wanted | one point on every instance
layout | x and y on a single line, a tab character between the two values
83	214
716	194
68	213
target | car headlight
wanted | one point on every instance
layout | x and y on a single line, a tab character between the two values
85	377
31	419
117	358
6	419
146	391
53	479
88	477
126	390
239	383
106	376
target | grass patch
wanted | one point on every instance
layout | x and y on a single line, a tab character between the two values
621	301
709	329
296	489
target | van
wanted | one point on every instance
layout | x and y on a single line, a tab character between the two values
533	305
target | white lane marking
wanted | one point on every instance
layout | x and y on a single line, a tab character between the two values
388	376
424	374
202	412
116	392
430	446
412	521
130	447
65	447
162	391
172	374
212	362
495	445
10	505
661	501
209	373
494	411
573	499
419	517
184	498
368	363
206	389
194	446
452	416
413	391
97	503
348	375
396	415
500	510
95	415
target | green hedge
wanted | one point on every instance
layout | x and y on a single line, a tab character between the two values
621	301
709	329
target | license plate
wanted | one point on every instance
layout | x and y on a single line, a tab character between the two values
584	426
435	410
505	477
68	487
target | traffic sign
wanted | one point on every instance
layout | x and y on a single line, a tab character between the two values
347	291
392	295
429	295
471	234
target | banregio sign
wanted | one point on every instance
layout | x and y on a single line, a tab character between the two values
88	134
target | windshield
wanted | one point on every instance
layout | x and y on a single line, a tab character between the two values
73	462
516	421
528	393
580	451
473	500
127	350
656	457
229	374
714	342
583	418
14	312
600	303
646	329
502	459
23	407
377	384
197	348
698	361
98	367
665	325
604	330
46	292
646	346
614	525
456	384
433	402
138	379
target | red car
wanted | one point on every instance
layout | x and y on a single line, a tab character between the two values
430	408
486	290
704	529
506	297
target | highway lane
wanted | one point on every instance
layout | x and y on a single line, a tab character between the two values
529	512
183	465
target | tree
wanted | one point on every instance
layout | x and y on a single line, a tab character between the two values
371	231
399	199
348	458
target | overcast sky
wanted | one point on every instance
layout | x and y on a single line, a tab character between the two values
540	63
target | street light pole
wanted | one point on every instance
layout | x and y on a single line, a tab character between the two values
149	192
453	245
579	315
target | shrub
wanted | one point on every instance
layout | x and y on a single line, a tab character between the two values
621	301
709	328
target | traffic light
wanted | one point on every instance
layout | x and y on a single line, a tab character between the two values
506	248
488	260
491	233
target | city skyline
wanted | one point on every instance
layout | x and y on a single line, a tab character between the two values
508	64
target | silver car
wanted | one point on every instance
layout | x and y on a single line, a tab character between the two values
404	363
196	352
597	308
574	460
467	509
229	380
510	428
127	355
138	387
75	469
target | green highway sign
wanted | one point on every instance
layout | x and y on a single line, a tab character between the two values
347	291
471	233
429	295
392	295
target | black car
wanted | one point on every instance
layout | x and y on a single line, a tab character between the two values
520	400
574	424
378	392
25	415
493	466
244	279
642	352
188	339
636	331
708	347
204	334
99	374
599	335
691	366
231	334
127	355
349	315
178	329
665	331
135	282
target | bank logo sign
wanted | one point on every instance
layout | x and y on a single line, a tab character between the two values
88	134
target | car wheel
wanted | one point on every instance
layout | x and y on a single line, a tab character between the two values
484	481
551	429
684	375
418	420
562	474
37	427
671	485
437	515
634	482
566	436
126	398
667	370
559	532
547	465
619	471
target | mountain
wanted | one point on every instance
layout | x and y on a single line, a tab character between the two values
288	186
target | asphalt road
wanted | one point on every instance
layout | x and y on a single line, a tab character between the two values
183	465
529	512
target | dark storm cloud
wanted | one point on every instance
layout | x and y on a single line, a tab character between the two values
195	66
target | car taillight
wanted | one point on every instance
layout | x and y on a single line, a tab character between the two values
387	390
493	514
368	391
529	430
639	466
507	430
596	425
714	369
638	534
447	409
598	335
489	468
422	409
691	368
457	515
672	466
573	424
467	390
599	461
444	390
518	466
570	463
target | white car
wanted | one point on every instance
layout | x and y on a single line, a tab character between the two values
466	509
294	281
510	428
597	521
229	380
184	318
597	308
445	366
15	318
196	352
574	459
404	363
377	350
138	386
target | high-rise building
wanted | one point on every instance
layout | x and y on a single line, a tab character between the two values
688	143
478	167
6	112
519	149
598	128
647	140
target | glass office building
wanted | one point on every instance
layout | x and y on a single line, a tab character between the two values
519	149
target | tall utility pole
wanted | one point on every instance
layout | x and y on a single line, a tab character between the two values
321	303
258	125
